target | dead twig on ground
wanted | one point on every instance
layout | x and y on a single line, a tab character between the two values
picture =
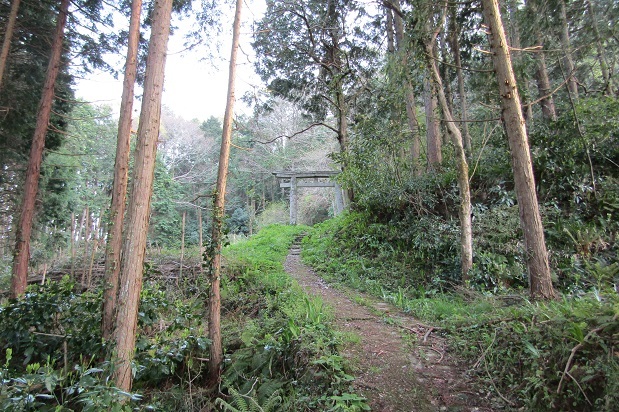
494	386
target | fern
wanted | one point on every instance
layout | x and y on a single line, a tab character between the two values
247	403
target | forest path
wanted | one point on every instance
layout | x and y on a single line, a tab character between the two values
400	365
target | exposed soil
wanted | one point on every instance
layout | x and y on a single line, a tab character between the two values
399	364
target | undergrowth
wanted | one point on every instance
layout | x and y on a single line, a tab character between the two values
283	341
557	355
281	352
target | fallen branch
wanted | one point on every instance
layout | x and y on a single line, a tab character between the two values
437	351
483	355
425	337
580	387
575	349
494	386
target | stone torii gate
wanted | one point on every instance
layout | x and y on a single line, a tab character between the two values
309	179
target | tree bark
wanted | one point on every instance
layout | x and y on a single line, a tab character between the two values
572	84
214	325
180	270
540	283
455	49
546	102
93	254
609	88
86	244
515	43
21	255
433	131
8	37
121	171
464	212
390	38
409	94
134	239
200	233
72	244
543	87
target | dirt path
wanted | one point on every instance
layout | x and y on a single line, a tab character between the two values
400	365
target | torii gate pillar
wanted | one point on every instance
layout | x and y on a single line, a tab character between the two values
293	200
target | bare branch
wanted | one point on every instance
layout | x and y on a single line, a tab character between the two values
311	126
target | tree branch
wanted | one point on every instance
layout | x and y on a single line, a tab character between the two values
311	126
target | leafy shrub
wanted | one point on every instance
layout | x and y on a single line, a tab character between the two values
36	326
43	387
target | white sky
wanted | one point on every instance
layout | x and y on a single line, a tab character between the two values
193	89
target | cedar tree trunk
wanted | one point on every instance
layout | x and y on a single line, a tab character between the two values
21	255
8	36
409	93
214	325
530	219
121	170
455	49
134	239
572	84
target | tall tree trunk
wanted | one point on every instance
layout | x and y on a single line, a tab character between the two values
180	270
389	28
455	50
433	131
121	171
530	219
86	244
72	245
543	87
572	84
214	325
546	102
512	7
31	185
134	239
464	212
200	231
609	88
444	72
409	94
82	225
93	255
342	131
8	37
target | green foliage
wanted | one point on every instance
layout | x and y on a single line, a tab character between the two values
362	251
238	221
523	351
165	225
248	403
520	349
171	336
53	343
274	213
575	151
283	341
37	325
44	387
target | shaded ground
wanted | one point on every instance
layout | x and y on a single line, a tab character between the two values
399	364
